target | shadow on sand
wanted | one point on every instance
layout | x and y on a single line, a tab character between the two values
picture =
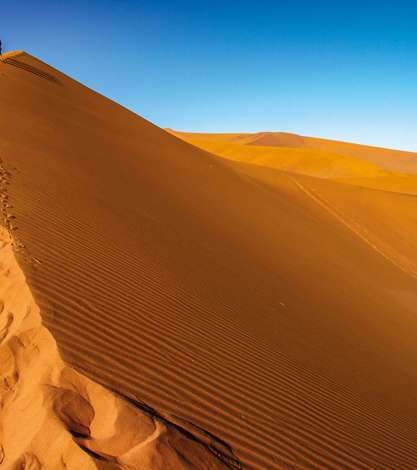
31	69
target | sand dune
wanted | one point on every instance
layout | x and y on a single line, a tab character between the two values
42	397
296	160
400	183
390	159
360	165
268	315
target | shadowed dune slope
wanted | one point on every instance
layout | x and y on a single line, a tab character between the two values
52	417
261	308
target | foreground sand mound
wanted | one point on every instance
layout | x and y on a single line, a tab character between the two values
52	417
270	314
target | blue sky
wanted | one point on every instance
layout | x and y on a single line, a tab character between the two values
339	69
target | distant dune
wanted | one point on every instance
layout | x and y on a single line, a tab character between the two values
168	308
357	164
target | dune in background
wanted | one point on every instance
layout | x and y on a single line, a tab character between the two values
360	165
240	314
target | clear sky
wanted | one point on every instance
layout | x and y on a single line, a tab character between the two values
338	69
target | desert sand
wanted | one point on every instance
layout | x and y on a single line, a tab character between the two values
165	307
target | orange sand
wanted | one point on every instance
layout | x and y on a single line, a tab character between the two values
269	313
360	165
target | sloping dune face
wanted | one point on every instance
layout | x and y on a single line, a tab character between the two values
260	308
53	417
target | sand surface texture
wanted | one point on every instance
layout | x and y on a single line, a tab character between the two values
255	317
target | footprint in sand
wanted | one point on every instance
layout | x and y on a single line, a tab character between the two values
5	330
29	462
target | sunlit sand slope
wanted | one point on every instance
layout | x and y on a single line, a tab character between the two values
266	312
296	160
360	165
399	183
